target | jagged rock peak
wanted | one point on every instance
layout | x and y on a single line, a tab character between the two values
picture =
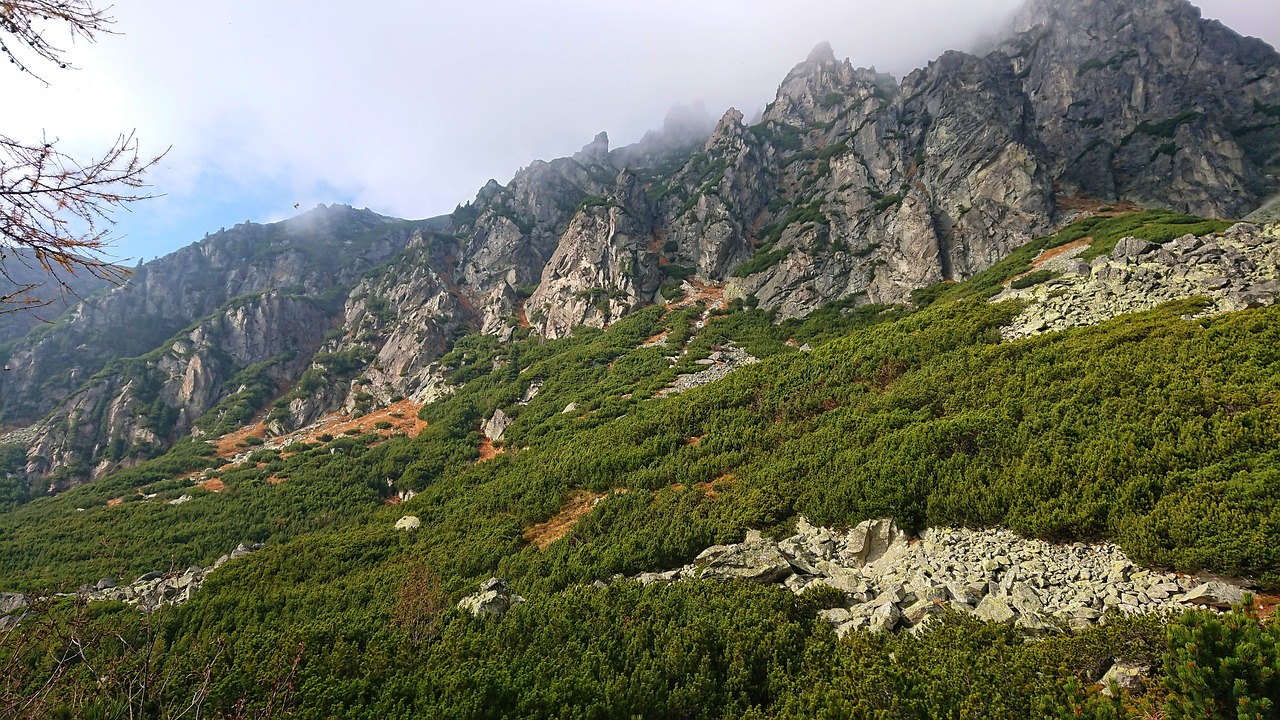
821	58
730	126
822	54
1092	16
596	151
489	191
1092	13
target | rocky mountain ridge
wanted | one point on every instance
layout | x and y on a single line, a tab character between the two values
852	186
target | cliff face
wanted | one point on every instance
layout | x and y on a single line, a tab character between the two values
906	186
314	255
138	407
1148	102
30	294
852	185
603	267
124	374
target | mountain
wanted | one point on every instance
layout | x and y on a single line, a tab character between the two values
852	187
44	293
947	397
124	374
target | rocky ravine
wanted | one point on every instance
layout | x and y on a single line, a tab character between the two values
891	581
1235	270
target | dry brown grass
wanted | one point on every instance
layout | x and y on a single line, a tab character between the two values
488	451
711	294
579	504
212	485
337	424
713	489
229	445
1265	605
1052	253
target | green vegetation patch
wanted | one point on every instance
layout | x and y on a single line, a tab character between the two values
1151	430
1031	279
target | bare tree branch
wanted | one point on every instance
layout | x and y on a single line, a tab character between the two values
56	212
23	25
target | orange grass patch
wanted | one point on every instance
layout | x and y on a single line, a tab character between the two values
1052	253
579	504
712	489
488	451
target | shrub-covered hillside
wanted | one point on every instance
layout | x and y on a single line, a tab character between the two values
1157	430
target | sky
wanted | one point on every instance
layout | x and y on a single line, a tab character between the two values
408	107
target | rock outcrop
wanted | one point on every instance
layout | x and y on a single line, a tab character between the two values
137	408
602	267
33	295
719	364
1148	102
1234	270
309	255
155	589
493	598
890	580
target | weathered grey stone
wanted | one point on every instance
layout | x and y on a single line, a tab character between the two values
1127	676
1132	247
1213	594
885	618
494	598
9	602
836	616
409	523
10	621
922	609
870	540
1025	599
759	561
496	426
995	609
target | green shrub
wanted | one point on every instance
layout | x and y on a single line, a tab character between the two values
1030	279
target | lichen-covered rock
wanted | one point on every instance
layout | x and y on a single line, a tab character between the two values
1213	594
496	425
1127	676
890	581
758	561
493	598
1235	270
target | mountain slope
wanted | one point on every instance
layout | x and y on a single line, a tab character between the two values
852	187
1128	430
188	322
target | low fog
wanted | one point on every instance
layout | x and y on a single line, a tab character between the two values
409	109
